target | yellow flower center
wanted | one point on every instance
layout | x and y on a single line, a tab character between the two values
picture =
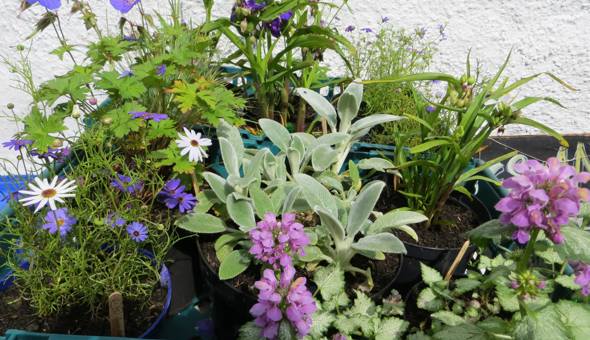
60	222
194	143
48	193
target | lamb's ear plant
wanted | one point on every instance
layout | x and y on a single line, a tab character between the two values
439	164
347	228
344	129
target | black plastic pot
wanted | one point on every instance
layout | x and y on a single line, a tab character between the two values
440	259
231	306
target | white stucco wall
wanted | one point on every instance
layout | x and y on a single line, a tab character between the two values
546	35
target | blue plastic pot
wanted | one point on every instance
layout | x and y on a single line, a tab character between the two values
6	281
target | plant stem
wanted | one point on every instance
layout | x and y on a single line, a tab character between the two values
195	182
528	251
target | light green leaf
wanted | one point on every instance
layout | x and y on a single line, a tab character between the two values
492	230
249	331
233	265
312	254
290	199
316	194
396	219
377	164
332	225
542	127
262	202
575	247
320	105
465	285
384	242
218	184
448	318
371	121
276	132
322	157
230	158
232	134
567	281
322	321
201	223
430	275
347	110
363	206
508	298
391	328
427	300
241	212
330	281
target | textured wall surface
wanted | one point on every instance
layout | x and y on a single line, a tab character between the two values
545	35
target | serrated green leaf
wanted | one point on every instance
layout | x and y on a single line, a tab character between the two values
575	248
448	318
508	298
330	281
465	285
430	275
567	281
391	328
429	301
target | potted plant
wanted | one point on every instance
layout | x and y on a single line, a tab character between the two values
439	165
520	291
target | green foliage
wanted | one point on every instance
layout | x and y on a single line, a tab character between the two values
39	128
77	272
210	102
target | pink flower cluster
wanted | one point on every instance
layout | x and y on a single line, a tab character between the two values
583	277
543	197
286	294
274	242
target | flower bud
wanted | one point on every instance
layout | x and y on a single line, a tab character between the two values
471	80
107	120
20	48
92	101
76	112
10	106
57	143
244	26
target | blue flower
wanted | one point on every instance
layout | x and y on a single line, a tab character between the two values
350	28
49	4
114	220
17	144
164	277
367	30
137	231
279	23
253	5
59	220
161	70
126	73
124	184
384	19
174	196
124	6
430	108
156	117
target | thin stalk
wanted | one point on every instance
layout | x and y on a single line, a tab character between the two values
528	251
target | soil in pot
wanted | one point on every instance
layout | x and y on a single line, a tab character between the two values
17	313
454	220
383	272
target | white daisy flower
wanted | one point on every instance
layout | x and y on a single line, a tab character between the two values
192	143
47	193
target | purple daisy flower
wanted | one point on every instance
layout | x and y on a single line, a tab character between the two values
49	4
125	184
124	6
137	231
59	154
17	144
126	73
156	117
59	220
185	202
115	221
161	70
